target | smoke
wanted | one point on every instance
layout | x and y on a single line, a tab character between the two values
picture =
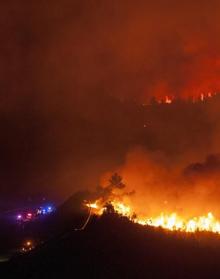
69	51
73	78
162	186
127	50
209	167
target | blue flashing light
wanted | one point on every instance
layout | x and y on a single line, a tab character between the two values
49	209
46	210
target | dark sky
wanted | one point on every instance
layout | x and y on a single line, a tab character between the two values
66	64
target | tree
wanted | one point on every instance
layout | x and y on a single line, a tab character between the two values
116	181
109	208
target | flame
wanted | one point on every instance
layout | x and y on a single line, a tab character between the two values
95	207
92	205
168	100
172	222
121	208
199	98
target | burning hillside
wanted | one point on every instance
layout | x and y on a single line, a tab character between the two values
113	198
202	97
171	222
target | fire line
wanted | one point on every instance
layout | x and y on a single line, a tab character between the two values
172	222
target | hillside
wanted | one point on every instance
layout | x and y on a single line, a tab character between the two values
113	247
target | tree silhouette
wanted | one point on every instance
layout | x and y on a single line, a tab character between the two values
116	181
109	208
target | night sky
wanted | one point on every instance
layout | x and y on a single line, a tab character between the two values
73	74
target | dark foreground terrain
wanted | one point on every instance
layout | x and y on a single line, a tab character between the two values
113	247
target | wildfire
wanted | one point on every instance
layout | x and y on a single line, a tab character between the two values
95	207
92	205
168	100
172	221
200	98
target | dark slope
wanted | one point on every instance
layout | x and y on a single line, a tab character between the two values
113	247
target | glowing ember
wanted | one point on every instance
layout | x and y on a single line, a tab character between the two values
171	221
